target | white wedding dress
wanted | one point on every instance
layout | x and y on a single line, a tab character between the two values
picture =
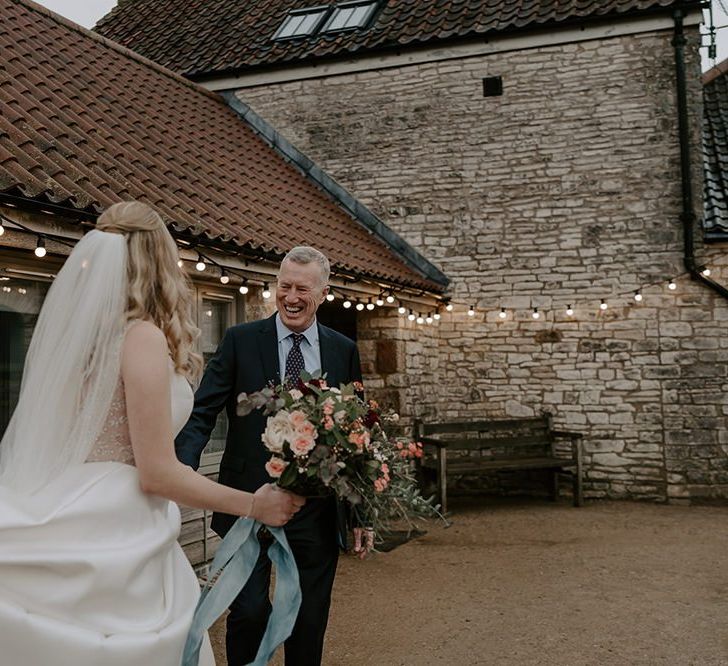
91	573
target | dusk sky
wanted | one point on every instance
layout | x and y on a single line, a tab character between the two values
88	12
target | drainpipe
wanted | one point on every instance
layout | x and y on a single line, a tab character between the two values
687	216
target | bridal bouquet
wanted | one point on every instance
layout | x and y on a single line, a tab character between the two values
326	440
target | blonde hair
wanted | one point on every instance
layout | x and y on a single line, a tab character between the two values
158	291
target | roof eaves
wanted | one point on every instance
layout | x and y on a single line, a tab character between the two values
356	209
391	46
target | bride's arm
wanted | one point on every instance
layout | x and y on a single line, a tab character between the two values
145	371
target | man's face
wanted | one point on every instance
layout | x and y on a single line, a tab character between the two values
300	291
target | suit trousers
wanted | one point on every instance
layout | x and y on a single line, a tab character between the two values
312	535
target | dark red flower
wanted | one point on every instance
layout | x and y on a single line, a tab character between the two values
371	418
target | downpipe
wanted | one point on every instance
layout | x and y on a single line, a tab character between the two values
687	216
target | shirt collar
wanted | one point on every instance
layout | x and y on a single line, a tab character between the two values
311	333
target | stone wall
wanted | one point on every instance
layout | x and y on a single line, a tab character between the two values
565	190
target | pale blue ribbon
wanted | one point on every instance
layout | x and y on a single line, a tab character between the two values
234	562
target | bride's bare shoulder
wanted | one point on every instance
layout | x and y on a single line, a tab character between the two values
144	338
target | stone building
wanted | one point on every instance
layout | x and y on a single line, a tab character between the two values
86	123
539	154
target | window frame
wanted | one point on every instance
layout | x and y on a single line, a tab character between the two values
210	462
374	5
322	10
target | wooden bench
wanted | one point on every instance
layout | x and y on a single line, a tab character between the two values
508	444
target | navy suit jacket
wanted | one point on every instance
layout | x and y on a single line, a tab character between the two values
246	361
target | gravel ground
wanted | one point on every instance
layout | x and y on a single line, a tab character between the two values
536	583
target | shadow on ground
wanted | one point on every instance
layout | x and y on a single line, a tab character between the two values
513	583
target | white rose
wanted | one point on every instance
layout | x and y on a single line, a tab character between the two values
278	430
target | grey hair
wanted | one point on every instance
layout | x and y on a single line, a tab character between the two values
303	254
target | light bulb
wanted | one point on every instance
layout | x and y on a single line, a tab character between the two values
603	305
437	316
370	305
40	250
536	314
180	263
22	290
411	316
428	318
569	311
705	272
359	305
2	228
200	265
390	299
243	289
401	309
347	303
672	286
266	290
420	319
638	296
224	277
448	307
379	301
330	297
471	311
502	314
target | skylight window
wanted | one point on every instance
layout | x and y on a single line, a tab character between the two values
299	23
349	15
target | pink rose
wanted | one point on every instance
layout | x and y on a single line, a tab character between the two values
297	418
328	406
275	467
307	429
385	469
328	422
302	444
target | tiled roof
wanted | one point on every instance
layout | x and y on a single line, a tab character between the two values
85	123
715	151
201	37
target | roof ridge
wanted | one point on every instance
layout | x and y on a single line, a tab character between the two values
715	71
68	23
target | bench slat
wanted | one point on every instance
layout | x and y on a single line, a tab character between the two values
471	443
484	426
476	466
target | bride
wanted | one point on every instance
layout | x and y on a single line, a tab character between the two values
90	569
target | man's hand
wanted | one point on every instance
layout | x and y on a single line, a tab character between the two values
363	541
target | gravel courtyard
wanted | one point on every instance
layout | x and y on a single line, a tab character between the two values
531	582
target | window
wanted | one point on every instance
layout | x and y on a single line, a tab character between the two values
301	22
215	317
349	15
20	303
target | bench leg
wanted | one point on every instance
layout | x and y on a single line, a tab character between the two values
554	485
577	475
442	477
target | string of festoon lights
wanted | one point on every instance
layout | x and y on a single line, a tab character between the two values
409	306
246	278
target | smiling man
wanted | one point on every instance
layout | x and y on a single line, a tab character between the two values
250	356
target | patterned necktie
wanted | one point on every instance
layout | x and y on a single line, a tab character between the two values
294	362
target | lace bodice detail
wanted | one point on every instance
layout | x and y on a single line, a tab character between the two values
114	442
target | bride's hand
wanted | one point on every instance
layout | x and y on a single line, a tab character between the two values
275	507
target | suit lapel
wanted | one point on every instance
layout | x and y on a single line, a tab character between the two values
268	347
329	358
